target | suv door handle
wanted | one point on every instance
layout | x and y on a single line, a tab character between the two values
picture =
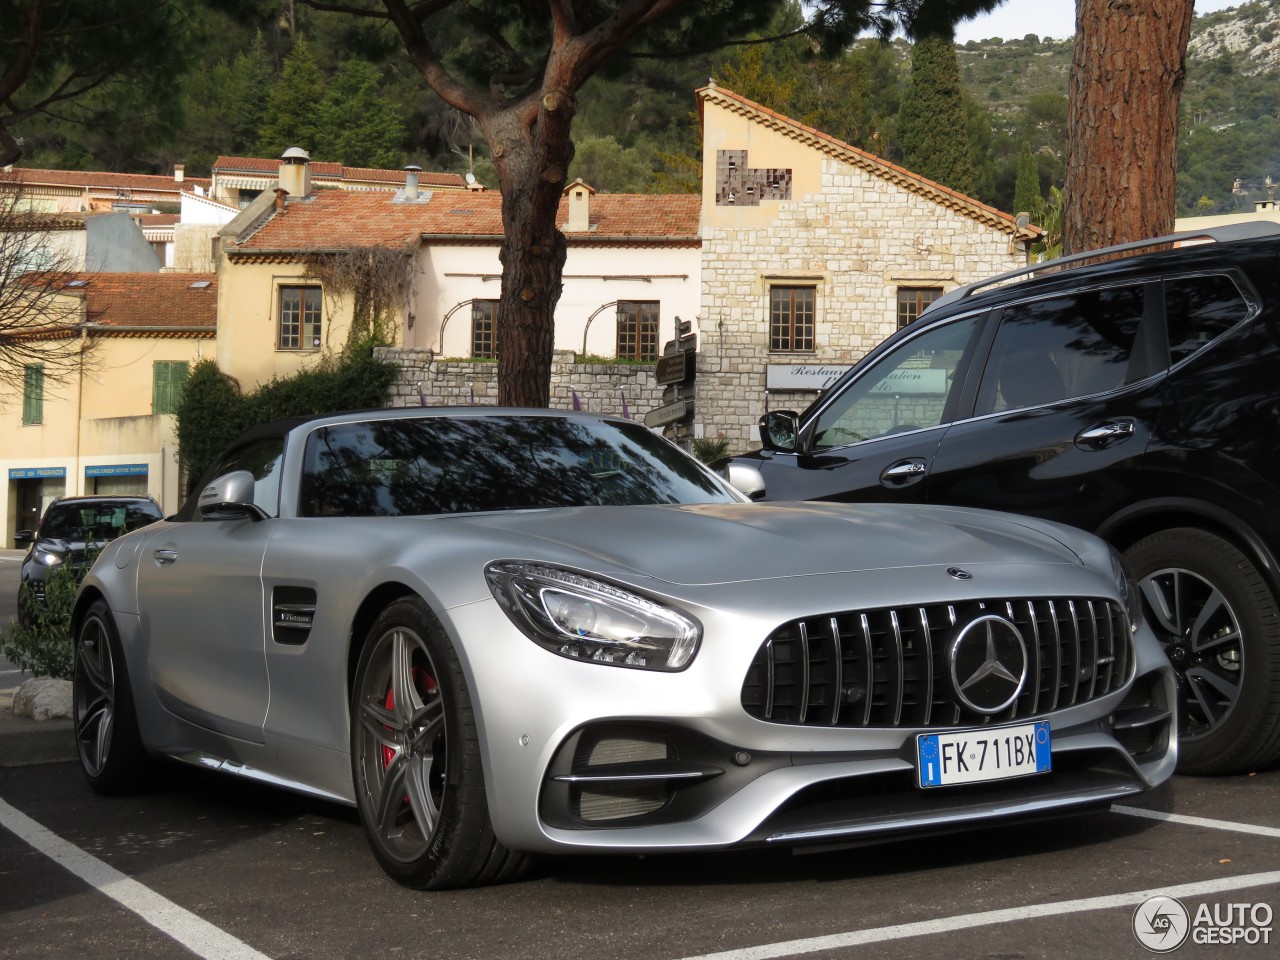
163	556
1104	434
904	472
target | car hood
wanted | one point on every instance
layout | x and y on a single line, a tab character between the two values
725	543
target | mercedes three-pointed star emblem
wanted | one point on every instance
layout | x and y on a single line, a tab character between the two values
988	664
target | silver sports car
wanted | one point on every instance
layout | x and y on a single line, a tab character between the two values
500	633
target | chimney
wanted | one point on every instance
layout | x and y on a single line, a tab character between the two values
179	172
295	172
280	193
411	174
579	220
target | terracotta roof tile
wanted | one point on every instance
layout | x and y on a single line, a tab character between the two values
106	181
335	171
176	301
328	220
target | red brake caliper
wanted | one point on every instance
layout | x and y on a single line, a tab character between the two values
426	685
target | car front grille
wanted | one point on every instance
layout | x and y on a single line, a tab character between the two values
893	667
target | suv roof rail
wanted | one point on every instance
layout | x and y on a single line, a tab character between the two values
1247	230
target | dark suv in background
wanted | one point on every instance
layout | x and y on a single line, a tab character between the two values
1137	396
72	528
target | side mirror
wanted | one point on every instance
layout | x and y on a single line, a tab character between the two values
230	497
746	479
23	537
780	430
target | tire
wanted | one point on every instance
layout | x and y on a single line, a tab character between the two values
1220	624
107	738
415	758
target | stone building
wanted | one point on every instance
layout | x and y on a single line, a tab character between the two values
813	252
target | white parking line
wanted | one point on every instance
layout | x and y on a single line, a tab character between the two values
1251	828
199	936
792	948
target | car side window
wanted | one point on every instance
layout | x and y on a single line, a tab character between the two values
906	390
1199	310
262	458
1074	345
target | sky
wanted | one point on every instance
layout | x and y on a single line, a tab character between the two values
1014	19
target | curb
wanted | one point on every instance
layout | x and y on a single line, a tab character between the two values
24	741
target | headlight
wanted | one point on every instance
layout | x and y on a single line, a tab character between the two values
1130	595
49	558
583	618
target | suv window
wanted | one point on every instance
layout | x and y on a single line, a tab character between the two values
1200	309
1068	346
82	520
906	390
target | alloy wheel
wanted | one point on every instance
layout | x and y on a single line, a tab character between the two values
402	744
95	695
1202	636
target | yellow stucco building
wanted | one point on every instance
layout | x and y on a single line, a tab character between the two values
106	425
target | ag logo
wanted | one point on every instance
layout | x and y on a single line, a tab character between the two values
1161	924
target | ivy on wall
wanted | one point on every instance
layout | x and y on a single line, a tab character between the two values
378	280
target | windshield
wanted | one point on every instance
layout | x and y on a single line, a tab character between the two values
98	521
436	465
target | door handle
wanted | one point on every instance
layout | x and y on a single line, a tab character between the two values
1106	433
164	556
904	472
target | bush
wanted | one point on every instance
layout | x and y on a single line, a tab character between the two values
710	449
213	412
40	643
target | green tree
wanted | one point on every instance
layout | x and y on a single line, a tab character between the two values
609	167
518	68
1026	195
931	125
292	116
358	126
224	107
94	62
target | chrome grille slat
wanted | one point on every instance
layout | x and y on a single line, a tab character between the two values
1057	656
837	688
804	671
811	671
896	665
927	639
869	659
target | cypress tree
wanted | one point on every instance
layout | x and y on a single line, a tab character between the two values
1026	190
931	125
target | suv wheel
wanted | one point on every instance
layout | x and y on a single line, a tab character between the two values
1220	625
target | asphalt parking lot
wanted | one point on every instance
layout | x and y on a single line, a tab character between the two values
210	867
204	866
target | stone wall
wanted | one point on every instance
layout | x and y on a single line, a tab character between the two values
857	241
601	388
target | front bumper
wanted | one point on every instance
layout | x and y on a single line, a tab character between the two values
581	757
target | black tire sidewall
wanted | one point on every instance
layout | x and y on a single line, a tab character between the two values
432	867
127	766
1246	737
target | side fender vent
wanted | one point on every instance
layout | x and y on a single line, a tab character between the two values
293	609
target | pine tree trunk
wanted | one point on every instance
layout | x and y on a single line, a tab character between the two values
532	160
1127	74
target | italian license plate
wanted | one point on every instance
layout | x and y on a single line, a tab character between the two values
976	756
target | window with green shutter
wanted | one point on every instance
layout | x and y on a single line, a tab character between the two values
168	380
33	393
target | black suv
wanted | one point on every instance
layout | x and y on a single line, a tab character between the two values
1137	396
74	526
